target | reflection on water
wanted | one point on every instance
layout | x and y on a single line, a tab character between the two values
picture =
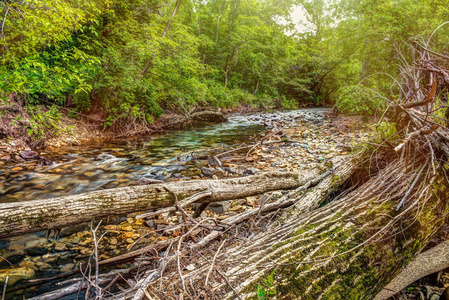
79	169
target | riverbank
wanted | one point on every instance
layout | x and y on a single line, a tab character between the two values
41	128
289	143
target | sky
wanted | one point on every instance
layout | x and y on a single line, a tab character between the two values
298	16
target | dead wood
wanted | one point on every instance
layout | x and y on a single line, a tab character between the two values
31	216
433	260
345	248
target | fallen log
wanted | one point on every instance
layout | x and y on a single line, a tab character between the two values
19	218
431	261
339	173
348	249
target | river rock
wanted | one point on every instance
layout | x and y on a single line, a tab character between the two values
207	171
28	264
66	268
144	180
16	275
111	227
50	258
28	154
5	158
214	161
60	247
127	235
127	228
248	172
251	201
219	172
12	257
230	170
219	207
18	158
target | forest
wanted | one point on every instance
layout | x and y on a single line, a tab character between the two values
347	202
125	63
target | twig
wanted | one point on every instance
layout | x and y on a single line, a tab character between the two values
178	260
182	204
222	276
179	206
4	288
213	262
412	186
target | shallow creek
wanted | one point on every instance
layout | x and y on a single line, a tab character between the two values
117	163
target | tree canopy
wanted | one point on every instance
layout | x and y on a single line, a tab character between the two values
136	59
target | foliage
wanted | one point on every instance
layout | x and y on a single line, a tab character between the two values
41	123
123	60
359	100
267	291
441	111
386	131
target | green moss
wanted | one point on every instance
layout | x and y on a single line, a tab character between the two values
335	180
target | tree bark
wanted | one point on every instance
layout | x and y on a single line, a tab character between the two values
433	260
31	216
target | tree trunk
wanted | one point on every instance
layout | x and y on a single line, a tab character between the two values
31	216
167	27
348	249
230	59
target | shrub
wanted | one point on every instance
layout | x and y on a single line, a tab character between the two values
359	100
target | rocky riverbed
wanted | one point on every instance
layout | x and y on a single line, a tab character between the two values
289	142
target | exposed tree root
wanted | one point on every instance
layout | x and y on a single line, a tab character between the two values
431	261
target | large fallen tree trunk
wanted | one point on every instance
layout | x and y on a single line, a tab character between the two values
31	216
348	249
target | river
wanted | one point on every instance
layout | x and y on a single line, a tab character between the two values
115	163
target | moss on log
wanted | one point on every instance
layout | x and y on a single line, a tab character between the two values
349	249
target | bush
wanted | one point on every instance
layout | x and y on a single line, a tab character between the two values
359	100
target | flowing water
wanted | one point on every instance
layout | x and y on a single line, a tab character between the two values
122	162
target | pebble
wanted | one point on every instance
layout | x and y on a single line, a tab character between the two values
250	172
127	235
28	154
111	227
16	275
220	173
127	228
66	268
60	247
207	171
